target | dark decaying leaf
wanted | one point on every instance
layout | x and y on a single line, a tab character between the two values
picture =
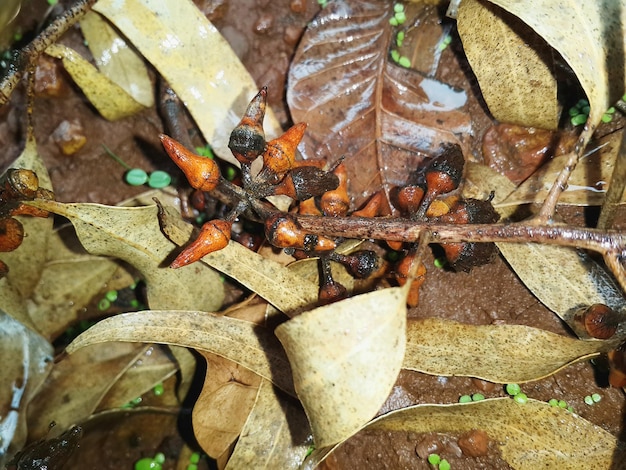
383	118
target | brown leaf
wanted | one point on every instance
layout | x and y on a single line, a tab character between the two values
497	353
245	343
383	118
513	65
276	434
334	350
221	410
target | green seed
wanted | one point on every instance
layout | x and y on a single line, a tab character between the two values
444	465
158	390
553	402
513	389
393	21
440	262
146	463
398	7
465	399
111	295
134	303
582	103
521	398
434	459
159	457
104	304
395	56
478	397
136	177
579	119
573	111
400	17
586	109
404	62
596	397
159	179
570	409
588	400
611	110
606	118
562	404
191	466
195	457
205	151
230	173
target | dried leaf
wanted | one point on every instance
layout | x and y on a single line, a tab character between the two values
197	62
245	343
334	350
512	64
116	59
133	235
288	292
111	101
526	435
497	353
587	185
592	44
226	399
383	118
26	361
276	434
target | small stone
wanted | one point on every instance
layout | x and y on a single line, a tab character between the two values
69	137
48	78
474	443
298	6
483	385
264	23
429	444
292	35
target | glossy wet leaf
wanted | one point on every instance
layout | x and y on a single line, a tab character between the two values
133	235
592	44
111	101
587	185
383	118
245	343
513	66
116	59
197	62
529	436
285	290
276	434
336	349
497	353
26	361
227	396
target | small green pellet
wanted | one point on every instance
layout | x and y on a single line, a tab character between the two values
570	409
158	390
400	17
191	466
404	61
194	458
136	177
573	111
159	457
521	398
606	118
478	397
395	56
588	400
553	402
231	173
398	7
513	389
579	119
147	463
440	262
596	397
465	399
104	304
134	303
444	465
159	179
393	21
434	459
111	295
562	404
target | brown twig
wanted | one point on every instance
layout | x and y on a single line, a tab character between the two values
27	56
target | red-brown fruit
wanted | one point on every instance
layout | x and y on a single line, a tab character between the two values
284	231
247	140
214	235
336	203
201	172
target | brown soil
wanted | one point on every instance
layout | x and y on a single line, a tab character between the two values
264	34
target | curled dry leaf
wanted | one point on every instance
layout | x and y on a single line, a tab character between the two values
501	354
27	360
197	62
108	98
275	435
592	44
226	399
116	59
245	343
512	64
345	359
287	291
133	235
382	117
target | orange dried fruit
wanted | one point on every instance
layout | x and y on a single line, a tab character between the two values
402	276
599	321
372	207
305	182
201	172
214	235
284	231
11	234
336	203
247	140
280	154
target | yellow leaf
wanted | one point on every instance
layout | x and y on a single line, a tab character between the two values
345	359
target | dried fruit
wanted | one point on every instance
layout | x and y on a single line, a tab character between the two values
402	276
373	206
617	366
330	290
308	207
247	140
336	203
201	172
474	443
214	235
18	183
284	231
11	234
599	321
360	264
408	198
306	182
280	154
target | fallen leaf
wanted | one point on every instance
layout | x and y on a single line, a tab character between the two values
592	44
335	349
197	62
383	118
26	362
133	235
245	343
276	434
497	353
111	101
513	66
226	399
587	185
116	60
